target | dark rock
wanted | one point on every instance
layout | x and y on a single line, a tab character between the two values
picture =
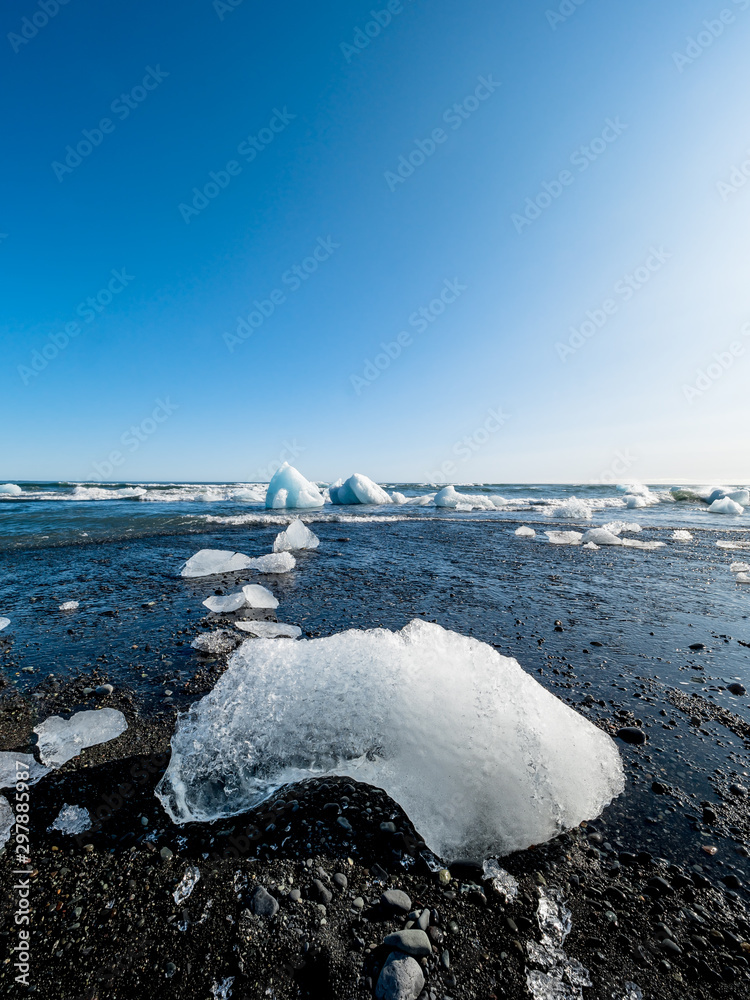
736	688
396	901
412	942
263	903
632	735
400	979
320	892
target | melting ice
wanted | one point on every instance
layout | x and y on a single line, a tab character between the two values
71	820
62	739
296	536
483	759
289	488
357	489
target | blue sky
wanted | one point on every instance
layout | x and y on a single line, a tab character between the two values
560	165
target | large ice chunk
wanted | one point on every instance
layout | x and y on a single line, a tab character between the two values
71	820
226	603
600	536
270	630
680	535
483	759
525	532
259	597
289	488
450	497
29	771
4	623
296	536
7	821
274	562
61	739
564	537
10	489
358	489
210	562
726	506
617	527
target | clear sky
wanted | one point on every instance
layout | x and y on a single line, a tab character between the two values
550	182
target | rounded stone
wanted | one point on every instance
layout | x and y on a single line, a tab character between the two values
263	903
632	735
400	979
395	900
412	942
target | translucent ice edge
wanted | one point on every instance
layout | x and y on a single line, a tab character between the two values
484	760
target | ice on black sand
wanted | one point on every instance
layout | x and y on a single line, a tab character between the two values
270	630
296	536
211	562
225	604
525	532
62	739
9	772
483	759
7	821
71	820
220	641
259	597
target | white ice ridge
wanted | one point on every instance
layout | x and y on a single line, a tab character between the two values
617	527
739	567
450	497
62	739
722	544
573	508
7	821
564	537
483	759
296	536
289	488
10	489
726	505
274	562
226	603
209	562
524	532
357	489
29	771
4	623
71	820
259	597
680	535
270	630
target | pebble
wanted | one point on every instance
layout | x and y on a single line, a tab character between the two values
414	942
631	734
104	689
320	892
340	880
400	979
295	896
166	854
738	689
395	900
263	904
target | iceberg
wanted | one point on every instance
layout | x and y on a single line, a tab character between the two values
449	497
270	630
726	506
225	604
525	532
398	498
357	489
210	562
69	605
564	537
220	641
10	489
600	536
258	597
274	562
483	759
289	488
9	772
7	821
573	508
681	535
71	820
61	739
296	536
4	623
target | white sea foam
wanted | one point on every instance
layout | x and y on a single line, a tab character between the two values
574	509
483	759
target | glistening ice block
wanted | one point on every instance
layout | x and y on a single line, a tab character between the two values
483	759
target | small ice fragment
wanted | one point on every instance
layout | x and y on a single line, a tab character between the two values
733	545
573	508
726	506
7	821
71	820
209	562
289	488
259	597
525	532
274	562
4	623
270	630
632	992
186	885
635	543
564	537
600	536
591	545
220	641
10	489
739	567
501	880
69	605
632	502
357	489
296	536
8	770
227	603
742	578
617	527
222	990
62	739
450	497
680	535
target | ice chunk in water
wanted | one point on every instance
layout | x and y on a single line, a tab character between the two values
71	820
270	630
358	489
289	488
10	489
226	603
635	543
573	508
600	536
739	567
398	498
483	759
742	578
220	641
274	562
187	883
681	536
296	536
69	606
726	506
591	545
259	597
564	537
722	544
450	497
632	502
62	739
617	527
525	532
209	562
8	769
4	623
7	821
